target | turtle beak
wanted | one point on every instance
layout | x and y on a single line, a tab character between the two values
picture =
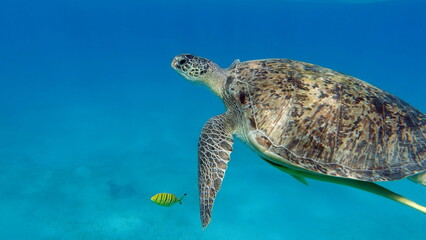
175	63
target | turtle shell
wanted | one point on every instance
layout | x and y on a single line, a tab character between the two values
309	117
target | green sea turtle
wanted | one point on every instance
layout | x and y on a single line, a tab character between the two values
308	121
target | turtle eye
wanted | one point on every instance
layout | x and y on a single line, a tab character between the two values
182	61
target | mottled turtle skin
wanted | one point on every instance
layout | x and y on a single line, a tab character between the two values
324	121
309	121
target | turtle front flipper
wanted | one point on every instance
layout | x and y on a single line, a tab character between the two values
214	149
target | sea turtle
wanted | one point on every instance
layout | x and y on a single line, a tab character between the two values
309	121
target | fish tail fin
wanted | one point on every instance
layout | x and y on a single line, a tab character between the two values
180	199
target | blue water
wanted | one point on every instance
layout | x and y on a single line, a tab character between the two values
93	120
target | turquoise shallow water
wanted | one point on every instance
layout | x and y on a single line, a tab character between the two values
93	121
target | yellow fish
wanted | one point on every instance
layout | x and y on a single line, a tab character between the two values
166	199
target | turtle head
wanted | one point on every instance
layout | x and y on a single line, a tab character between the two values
200	70
192	67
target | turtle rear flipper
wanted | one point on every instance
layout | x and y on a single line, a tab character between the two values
419	178
363	185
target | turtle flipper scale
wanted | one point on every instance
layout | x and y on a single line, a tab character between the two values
214	149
